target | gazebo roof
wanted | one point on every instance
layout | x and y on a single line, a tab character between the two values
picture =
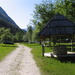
59	25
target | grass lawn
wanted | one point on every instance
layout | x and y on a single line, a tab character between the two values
50	66
5	50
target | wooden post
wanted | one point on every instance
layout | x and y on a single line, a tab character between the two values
71	45
43	50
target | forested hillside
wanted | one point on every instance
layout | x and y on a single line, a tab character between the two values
9	30
7	22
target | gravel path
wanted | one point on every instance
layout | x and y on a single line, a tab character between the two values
19	62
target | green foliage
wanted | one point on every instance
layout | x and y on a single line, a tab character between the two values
46	10
42	14
29	33
25	37
5	35
66	8
35	34
50	66
19	37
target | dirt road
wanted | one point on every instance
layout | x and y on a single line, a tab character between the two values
19	62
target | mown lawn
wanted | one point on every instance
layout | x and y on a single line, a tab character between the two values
5	50
50	66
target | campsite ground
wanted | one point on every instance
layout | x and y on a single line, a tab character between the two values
19	62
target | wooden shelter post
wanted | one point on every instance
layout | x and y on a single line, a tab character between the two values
43	50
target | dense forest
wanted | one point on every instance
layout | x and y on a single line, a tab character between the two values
8	32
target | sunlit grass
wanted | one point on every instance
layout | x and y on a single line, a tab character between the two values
50	66
5	50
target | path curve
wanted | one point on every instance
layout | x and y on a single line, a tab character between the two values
19	62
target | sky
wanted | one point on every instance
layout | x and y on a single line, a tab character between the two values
20	10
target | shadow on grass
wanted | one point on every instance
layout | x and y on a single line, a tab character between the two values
66	59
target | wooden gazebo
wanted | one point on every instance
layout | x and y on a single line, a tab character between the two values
59	26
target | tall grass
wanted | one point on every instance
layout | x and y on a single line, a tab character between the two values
50	66
5	50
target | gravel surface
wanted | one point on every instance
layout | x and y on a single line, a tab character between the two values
19	62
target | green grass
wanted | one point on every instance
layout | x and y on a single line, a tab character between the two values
50	66
5	50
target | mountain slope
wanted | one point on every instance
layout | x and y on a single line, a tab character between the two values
3	15
7	22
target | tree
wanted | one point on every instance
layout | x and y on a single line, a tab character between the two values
19	37
42	14
6	35
66	7
25	37
46	10
29	33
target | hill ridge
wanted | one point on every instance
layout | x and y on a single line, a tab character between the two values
4	15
